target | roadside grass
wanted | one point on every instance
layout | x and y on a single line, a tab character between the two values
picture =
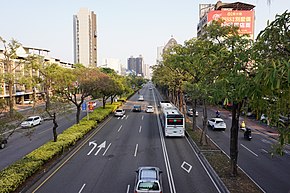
221	164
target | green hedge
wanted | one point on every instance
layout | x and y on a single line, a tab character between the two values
16	174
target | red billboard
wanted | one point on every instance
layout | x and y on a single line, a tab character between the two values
243	19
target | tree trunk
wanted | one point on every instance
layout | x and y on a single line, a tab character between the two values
78	112
104	102
11	99
203	138
55	125
194	117
234	138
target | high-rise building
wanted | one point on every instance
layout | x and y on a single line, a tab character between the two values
85	37
136	65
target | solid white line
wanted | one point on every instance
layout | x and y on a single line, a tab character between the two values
128	188
119	128
265	151
107	149
249	150
82	188
203	166
140	129
165	155
136	148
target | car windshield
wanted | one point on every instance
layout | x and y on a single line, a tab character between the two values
119	110
29	119
219	122
148	186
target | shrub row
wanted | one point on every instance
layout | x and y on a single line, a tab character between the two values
16	174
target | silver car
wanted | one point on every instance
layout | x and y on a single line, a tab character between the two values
148	180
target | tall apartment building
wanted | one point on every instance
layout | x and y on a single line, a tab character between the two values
136	65
238	14
85	37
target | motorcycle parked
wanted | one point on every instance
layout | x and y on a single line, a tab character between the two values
248	134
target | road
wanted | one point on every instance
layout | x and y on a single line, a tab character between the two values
23	141
272	174
107	160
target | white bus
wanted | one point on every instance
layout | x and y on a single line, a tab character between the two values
172	120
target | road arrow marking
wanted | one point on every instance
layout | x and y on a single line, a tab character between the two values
186	166
94	144
103	145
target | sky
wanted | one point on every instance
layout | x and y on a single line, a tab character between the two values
125	27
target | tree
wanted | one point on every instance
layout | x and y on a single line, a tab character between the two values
272	61
75	85
9	64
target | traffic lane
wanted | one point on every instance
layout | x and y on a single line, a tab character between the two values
118	163
265	170
188	173
150	151
101	169
26	140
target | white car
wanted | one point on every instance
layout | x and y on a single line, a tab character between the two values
119	113
148	180
141	98
217	123
32	121
150	109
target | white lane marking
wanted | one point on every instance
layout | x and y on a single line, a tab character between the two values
136	149
128	188
142	117
119	117
127	117
94	146
119	128
186	166
266	141
123	117
265	151
249	150
82	188
107	149
140	129
165	154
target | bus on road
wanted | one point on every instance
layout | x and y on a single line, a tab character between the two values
172	120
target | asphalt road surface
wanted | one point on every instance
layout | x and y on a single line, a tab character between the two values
107	160
271	173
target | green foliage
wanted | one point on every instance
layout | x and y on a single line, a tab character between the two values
14	175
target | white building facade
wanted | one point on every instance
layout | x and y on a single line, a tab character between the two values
85	37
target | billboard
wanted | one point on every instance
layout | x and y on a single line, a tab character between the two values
244	19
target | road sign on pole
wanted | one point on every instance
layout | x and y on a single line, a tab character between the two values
84	106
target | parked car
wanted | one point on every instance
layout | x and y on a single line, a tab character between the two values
217	123
141	98
190	113
148	180
32	121
136	108
150	109
119	113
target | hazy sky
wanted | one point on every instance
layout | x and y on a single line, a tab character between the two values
125	27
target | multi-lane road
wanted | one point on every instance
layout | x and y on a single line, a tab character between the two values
271	173
107	160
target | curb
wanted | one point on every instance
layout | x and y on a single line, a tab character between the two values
222	187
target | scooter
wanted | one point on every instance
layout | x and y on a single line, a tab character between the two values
248	134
